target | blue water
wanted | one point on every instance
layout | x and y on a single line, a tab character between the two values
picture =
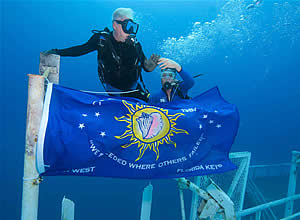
252	55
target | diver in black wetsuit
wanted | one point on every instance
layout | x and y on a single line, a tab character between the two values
120	56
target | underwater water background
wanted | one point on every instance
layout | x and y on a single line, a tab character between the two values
250	52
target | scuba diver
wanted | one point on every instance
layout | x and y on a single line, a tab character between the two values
120	56
172	89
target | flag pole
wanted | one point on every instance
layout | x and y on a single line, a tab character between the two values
36	86
31	178
146	203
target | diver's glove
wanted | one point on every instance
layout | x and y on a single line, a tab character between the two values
151	63
48	52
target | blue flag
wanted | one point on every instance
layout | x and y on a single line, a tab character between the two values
87	134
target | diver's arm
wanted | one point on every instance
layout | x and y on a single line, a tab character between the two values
188	81
168	63
148	64
75	51
151	63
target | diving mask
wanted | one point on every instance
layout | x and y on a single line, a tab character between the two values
129	26
168	73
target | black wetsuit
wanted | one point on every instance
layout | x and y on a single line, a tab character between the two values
119	64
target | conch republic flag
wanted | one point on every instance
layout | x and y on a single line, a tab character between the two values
87	134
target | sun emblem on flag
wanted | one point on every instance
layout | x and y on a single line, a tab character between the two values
149	127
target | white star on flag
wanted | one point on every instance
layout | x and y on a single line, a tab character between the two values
84	115
81	126
204	116
215	111
102	133
218	125
200	126
211	121
97	114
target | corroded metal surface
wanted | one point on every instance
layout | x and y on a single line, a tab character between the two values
34	115
52	63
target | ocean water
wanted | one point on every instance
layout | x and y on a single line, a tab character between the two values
251	52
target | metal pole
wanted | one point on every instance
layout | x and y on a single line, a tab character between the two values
182	204
291	216
292	183
67	209
146	203
195	200
258	215
31	176
266	205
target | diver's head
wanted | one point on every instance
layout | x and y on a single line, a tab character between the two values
123	24
121	13
167	77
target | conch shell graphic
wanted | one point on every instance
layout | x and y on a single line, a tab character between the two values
150	124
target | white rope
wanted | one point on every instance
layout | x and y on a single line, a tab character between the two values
31	178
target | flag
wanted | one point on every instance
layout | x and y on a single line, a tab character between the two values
87	134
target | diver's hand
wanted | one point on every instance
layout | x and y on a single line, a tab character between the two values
167	63
48	52
151	63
